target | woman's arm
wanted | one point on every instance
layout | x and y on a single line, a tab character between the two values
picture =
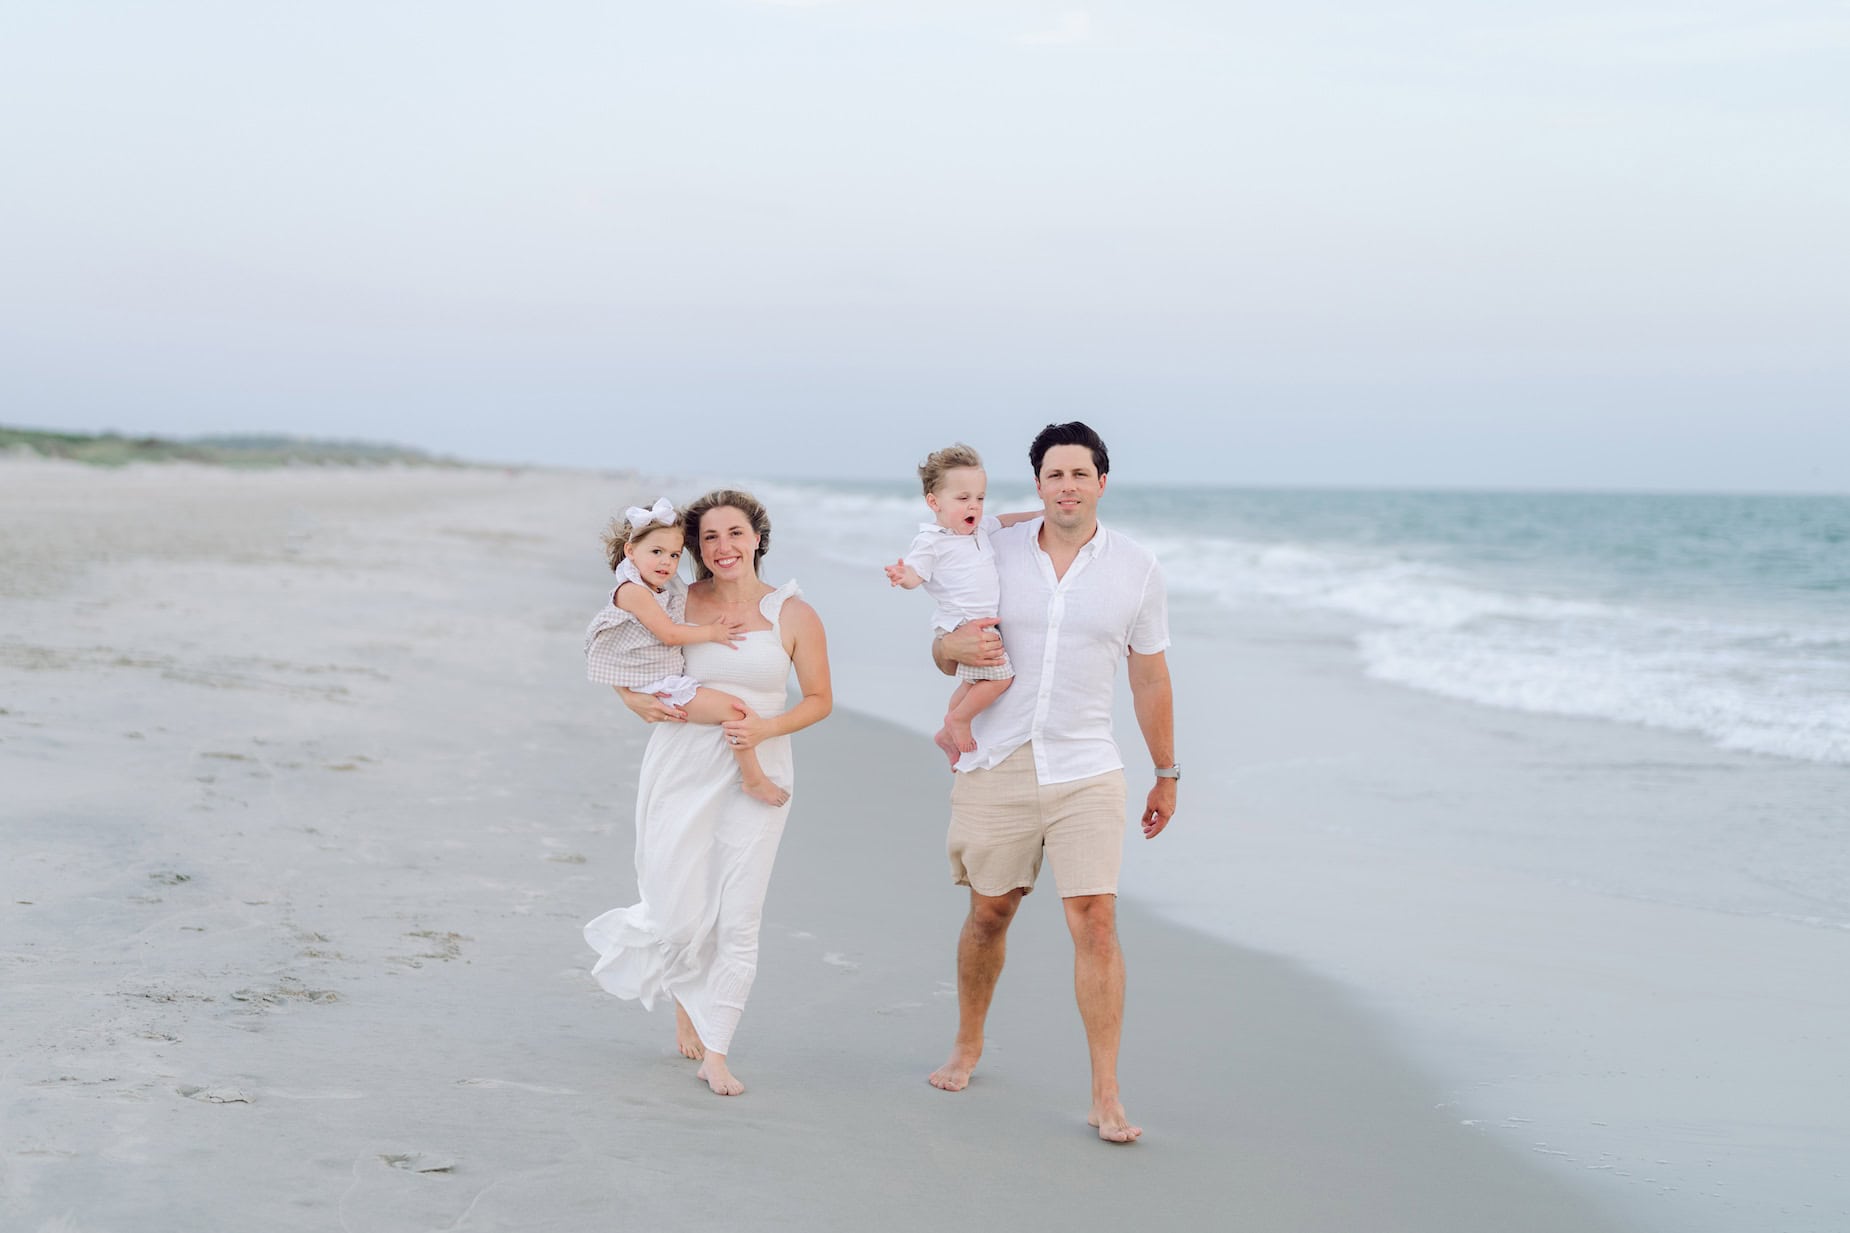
1009	520
809	651
651	708
665	630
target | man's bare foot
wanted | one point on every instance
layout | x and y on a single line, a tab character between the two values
959	731
686	1039
954	1075
944	741
1114	1124
763	789
718	1077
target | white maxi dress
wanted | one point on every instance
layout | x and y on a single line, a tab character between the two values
703	848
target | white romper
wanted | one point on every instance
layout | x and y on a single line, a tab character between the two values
959	572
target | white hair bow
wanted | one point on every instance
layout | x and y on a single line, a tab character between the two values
661	512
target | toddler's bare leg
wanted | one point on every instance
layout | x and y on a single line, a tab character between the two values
711	706
943	738
966	704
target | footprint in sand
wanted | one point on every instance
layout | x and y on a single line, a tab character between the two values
282	994
836	959
898	1008
524	1087
419	1162
217	1095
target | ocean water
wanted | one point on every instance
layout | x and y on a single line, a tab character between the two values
1726	616
1559	784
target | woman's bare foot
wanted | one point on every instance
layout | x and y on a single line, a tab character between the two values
1114	1124
954	1075
762	789
943	740
718	1077
686	1039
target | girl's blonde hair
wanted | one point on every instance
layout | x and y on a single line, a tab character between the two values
620	532
725	498
950	458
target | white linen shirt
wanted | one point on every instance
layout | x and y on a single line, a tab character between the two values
1067	638
959	571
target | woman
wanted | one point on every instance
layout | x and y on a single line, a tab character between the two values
703	847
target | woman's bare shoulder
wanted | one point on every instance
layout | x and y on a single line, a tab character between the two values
800	616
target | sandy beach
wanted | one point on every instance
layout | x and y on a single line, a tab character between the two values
307	800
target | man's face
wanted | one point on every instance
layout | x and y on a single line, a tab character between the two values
1070	486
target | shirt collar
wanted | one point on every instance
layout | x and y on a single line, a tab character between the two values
932	526
1091	547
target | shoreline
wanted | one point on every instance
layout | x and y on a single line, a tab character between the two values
310	814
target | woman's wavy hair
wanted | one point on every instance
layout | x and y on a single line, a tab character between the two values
725	498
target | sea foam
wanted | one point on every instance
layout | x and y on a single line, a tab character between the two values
1483	616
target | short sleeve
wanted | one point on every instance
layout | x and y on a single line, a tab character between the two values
990	524
923	555
1150	627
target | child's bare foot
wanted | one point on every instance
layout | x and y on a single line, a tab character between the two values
686	1039
762	789
959	730
718	1077
942	739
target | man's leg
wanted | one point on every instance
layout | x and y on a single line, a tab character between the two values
1098	982
981	947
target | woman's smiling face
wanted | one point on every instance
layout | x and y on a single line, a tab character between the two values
727	542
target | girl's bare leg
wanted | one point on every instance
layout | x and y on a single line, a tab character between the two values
966	704
710	706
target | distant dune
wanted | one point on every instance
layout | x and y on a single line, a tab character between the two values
113	450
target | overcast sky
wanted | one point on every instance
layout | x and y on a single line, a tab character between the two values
1325	241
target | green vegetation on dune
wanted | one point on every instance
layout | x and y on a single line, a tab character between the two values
113	450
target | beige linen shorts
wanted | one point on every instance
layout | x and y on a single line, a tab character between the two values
1003	819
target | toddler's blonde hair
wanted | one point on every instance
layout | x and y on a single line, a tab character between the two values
950	458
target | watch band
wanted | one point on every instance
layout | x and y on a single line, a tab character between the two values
1170	772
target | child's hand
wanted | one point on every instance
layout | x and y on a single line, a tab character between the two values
726	630
900	574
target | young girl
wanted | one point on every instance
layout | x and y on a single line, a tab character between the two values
635	641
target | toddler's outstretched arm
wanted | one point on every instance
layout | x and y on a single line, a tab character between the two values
900	574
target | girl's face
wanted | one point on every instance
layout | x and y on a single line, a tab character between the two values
656	555
727	543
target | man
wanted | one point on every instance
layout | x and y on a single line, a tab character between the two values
1046	775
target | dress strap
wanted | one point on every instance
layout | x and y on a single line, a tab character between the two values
773	604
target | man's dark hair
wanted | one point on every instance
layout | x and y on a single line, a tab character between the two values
1074	433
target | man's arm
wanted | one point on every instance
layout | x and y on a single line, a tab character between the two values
1154	703
975	643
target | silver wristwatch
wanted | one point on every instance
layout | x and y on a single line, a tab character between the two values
1170	772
